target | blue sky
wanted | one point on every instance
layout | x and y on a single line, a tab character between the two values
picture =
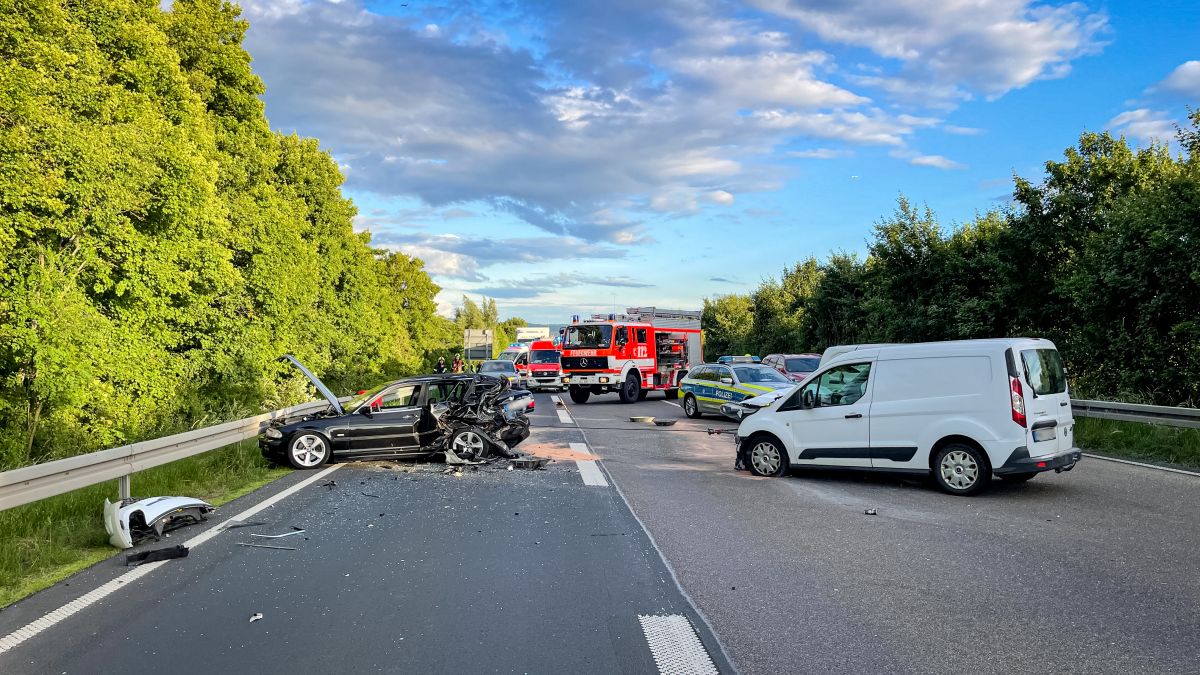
566	157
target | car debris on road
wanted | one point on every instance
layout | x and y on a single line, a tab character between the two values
155	555
278	548
131	520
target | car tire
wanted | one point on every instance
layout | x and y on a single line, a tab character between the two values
960	469
469	444
580	394
631	388
1017	477
691	408
308	450
766	457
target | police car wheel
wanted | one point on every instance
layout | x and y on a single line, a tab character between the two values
690	407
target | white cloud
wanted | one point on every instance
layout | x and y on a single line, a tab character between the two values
990	46
1144	125
1185	79
935	161
769	79
961	131
818	153
720	197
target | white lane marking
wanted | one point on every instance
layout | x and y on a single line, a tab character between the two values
84	601
671	403
1147	466
675	646
563	415
589	470
555	398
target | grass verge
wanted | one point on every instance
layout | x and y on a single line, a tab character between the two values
47	541
1133	440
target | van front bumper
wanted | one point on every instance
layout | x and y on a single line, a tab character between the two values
1020	462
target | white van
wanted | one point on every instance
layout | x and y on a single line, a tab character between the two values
962	411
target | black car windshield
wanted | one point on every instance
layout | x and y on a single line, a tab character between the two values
757	373
803	364
582	337
359	399
544	356
497	367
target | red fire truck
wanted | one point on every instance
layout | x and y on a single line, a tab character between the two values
643	350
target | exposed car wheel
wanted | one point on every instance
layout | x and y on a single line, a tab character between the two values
1017	477
960	469
580	394
690	407
468	444
767	457
307	451
630	389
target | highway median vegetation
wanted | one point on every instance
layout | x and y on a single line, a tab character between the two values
1102	257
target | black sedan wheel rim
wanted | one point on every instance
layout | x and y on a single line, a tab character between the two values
309	450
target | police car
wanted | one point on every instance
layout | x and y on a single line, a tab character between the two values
707	387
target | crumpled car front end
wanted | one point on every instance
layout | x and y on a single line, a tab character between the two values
493	410
740	410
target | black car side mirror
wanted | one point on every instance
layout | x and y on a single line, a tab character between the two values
365	411
808	399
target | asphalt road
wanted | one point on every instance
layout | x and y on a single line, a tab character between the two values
399	569
1092	571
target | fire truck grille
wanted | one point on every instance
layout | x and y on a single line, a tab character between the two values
584	362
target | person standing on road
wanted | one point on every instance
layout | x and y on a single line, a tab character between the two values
458	365
440	368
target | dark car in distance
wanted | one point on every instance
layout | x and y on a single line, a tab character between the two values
795	366
467	414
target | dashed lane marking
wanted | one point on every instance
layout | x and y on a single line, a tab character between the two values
84	601
563	416
589	470
676	648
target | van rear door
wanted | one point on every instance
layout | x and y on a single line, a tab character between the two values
1047	400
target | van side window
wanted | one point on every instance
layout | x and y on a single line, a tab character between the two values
842	385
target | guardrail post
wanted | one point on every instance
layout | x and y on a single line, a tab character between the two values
123	486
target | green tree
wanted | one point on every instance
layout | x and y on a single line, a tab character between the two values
728	321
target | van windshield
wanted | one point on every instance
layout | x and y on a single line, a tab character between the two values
1044	370
543	356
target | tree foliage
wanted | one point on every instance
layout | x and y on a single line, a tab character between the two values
1102	256
160	246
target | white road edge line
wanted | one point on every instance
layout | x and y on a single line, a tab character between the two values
675	646
1147	466
589	470
563	415
84	601
671	403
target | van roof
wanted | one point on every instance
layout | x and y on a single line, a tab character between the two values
902	349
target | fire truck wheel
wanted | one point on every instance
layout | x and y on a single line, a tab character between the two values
580	394
642	394
630	389
690	407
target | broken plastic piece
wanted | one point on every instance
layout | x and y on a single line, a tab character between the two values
255	617
131	520
276	536
664	423
530	462
169	553
234	524
368	494
872	512
641	418
279	548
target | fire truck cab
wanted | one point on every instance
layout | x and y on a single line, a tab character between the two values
643	350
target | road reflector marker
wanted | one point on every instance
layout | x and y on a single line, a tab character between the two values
675	646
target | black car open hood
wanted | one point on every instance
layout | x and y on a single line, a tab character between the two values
333	400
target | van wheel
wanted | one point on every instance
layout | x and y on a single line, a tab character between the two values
580	394
690	407
961	469
1017	477
630	389
767	457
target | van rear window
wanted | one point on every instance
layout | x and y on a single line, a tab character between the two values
1044	370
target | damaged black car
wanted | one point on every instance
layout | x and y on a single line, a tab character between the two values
468	417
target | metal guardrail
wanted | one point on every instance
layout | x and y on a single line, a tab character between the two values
32	483
1136	412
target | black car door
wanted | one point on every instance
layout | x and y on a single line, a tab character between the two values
388	423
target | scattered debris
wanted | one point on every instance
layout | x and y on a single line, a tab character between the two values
641	418
718	432
329	484
531	463
234	524
559	404
664	423
279	548
872	512
276	536
131	520
368	494
510	467
255	617
610	534
169	553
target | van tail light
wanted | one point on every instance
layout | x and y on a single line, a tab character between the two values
1018	400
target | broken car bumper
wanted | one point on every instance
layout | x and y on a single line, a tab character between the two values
1020	462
